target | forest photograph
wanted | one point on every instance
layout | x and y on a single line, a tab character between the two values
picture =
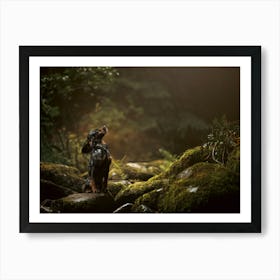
139	140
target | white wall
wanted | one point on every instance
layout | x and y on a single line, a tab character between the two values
138	256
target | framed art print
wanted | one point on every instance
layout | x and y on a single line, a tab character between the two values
140	138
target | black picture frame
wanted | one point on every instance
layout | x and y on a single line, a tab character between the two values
254	52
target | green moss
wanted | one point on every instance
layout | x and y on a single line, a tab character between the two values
189	158
141	208
132	192
233	162
59	168
160	165
141	171
137	173
190	185
117	170
115	186
210	189
150	199
63	175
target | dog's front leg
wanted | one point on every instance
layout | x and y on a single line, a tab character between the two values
93	185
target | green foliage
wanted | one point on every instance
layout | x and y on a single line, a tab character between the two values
67	94
224	137
233	162
65	90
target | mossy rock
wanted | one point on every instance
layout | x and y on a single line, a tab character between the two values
49	190
116	174
84	203
150	199
160	164
132	192
62	175
140	170
141	208
211	188
114	186
233	162
84	175
189	158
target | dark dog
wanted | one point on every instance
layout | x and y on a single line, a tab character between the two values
100	160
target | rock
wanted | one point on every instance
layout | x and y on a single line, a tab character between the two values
189	158
138	171
52	191
86	188
126	208
142	209
150	199
210	188
62	175
116	174
114	186
84	203
132	192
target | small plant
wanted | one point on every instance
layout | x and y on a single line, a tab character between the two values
224	137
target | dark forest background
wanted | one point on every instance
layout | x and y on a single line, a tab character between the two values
151	112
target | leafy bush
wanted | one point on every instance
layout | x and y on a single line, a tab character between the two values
224	137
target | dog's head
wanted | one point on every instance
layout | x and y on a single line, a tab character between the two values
98	134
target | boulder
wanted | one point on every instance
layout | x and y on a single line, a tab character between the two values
211	188
116	174
114	186
141	170
84	203
189	158
150	199
62	175
132	192
51	190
